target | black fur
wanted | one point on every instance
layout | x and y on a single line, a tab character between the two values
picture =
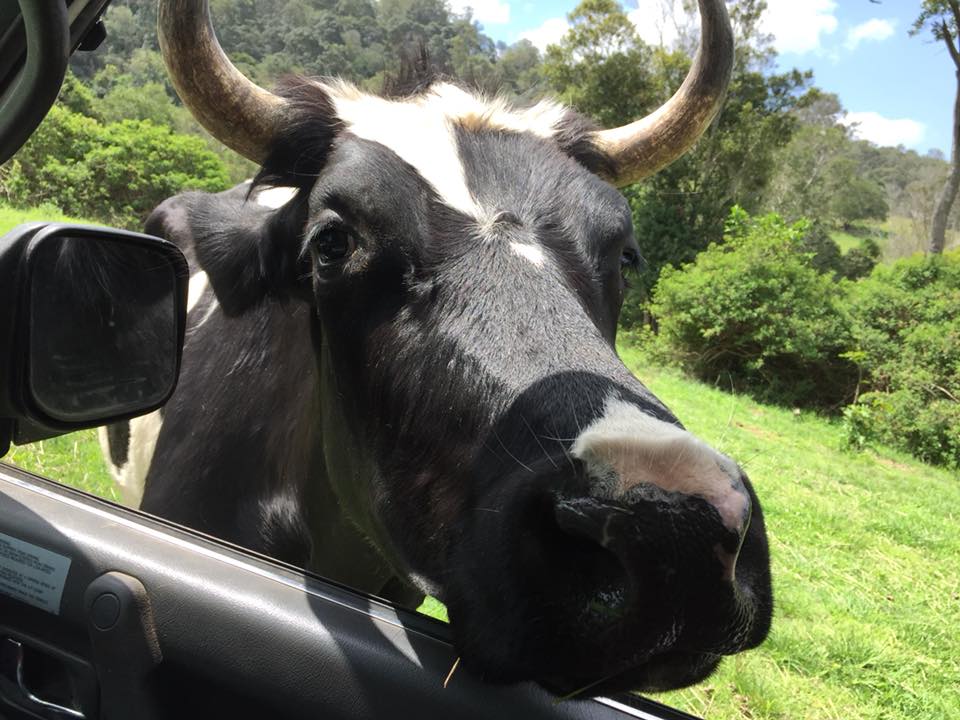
118	436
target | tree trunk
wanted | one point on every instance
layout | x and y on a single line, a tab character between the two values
938	231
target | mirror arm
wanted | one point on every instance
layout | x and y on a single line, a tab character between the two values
47	28
6	433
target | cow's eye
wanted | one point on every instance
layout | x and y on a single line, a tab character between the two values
332	245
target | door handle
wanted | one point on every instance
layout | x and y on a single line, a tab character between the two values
28	699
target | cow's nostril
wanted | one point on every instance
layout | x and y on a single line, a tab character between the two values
599	575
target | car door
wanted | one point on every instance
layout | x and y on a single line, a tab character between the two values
107	612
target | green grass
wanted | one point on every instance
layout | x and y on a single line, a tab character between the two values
897	237
11	217
845	240
73	459
866	563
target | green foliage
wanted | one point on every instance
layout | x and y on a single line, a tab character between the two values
681	210
601	67
753	312
906	334
819	174
125	101
940	17
783	322
114	172
825	255
77	97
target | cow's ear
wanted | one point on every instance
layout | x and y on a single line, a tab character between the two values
249	252
255	257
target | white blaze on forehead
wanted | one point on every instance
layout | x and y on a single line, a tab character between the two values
421	130
626	447
275	197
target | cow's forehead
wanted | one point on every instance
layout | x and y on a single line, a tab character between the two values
422	130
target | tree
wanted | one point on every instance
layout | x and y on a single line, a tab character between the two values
820	173
601	66
942	17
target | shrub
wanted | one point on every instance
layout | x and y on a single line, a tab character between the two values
906	339
826	257
115	172
755	313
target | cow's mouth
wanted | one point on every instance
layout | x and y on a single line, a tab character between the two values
588	597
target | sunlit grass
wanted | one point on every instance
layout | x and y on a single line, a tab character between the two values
73	459
11	217
866	564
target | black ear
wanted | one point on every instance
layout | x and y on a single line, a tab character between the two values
249	252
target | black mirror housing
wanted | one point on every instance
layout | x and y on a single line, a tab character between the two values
92	324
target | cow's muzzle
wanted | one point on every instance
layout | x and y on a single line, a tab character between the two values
584	593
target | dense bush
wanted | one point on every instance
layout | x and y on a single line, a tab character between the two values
754	313
770	312
906	334
115	172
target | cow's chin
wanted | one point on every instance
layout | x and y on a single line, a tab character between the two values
530	600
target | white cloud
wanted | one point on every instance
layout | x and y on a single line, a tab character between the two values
873	29
885	131
549	33
798	24
491	12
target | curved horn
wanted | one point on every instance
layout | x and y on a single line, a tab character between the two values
647	145
237	112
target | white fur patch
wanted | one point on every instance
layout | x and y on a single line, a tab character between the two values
626	447
132	476
533	253
421	130
198	284
274	197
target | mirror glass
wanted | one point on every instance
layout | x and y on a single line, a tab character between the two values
103	327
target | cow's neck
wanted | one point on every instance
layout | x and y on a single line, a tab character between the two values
338	504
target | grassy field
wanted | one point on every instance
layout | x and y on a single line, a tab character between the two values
897	237
11	217
866	555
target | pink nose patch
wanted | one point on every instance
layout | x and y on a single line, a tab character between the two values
626	447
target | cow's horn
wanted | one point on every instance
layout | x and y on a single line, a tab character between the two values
645	146
237	112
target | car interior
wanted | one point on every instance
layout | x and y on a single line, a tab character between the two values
107	612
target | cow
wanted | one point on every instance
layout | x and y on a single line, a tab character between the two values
400	372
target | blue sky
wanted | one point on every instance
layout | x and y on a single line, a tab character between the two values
898	88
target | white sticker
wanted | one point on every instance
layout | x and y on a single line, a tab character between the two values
32	574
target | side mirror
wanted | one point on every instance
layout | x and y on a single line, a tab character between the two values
91	327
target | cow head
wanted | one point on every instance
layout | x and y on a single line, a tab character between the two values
465	261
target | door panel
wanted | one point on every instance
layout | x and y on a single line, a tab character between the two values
196	625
